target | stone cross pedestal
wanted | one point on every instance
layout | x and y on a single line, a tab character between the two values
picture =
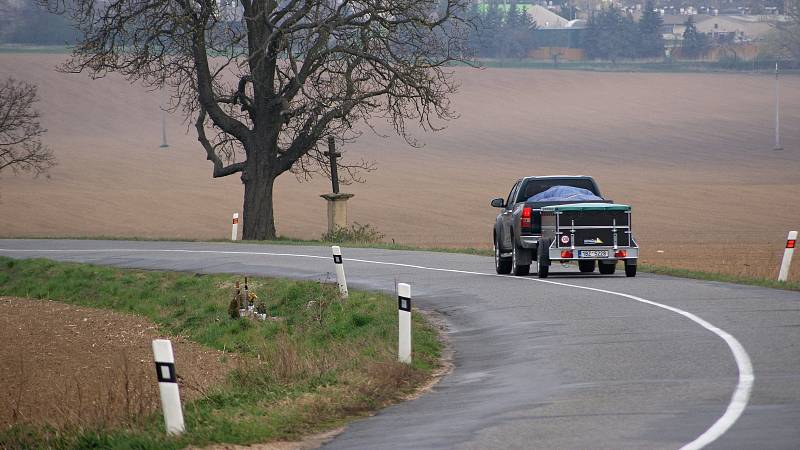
337	201
337	210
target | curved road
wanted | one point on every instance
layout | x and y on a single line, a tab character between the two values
576	361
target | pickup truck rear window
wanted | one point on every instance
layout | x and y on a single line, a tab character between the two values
533	187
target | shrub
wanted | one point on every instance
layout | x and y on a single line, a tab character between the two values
357	233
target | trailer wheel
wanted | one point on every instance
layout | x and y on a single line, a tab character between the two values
516	268
543	271
608	269
630	270
543	261
586	266
501	265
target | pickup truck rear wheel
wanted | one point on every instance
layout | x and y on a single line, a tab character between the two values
586	266
501	265
517	268
608	269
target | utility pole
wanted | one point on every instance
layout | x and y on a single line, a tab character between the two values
163	121
777	111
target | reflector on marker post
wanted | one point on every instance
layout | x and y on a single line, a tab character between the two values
404	321
235	227
337	263
168	386
791	241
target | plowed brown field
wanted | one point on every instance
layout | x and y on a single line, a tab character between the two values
691	152
70	365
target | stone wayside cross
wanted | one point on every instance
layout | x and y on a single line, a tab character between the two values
333	154
337	201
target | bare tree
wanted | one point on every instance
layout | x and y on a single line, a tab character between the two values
789	31
265	81
21	148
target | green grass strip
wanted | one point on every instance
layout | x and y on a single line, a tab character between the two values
324	362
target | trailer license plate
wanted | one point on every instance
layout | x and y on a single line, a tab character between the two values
593	254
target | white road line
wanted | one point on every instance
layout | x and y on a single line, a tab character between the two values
739	399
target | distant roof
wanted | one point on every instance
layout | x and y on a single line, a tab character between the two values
545	18
577	23
681	19
740	18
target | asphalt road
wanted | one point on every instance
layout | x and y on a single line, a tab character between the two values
645	362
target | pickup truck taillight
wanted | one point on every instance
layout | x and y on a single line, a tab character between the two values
525	222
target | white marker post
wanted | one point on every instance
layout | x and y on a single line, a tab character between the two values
404	311
337	262
235	227
791	240
168	386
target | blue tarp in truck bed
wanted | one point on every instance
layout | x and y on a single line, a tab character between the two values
564	193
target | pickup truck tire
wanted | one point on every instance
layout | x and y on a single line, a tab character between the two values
501	265
608	269
630	270
516	268
586	266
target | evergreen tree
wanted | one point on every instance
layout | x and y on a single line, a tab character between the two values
513	16
501	33
491	30
517	33
651	44
591	44
694	43
475	17
610	35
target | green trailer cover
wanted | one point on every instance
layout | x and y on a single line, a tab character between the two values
588	207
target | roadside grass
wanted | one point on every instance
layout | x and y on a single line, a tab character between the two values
322	361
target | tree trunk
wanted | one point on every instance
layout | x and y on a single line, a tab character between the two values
259	216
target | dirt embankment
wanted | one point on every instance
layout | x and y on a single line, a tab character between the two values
65	364
691	152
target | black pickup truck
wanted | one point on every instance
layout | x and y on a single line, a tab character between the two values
535	227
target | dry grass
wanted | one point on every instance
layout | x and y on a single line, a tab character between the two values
745	260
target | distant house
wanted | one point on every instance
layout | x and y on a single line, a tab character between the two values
737	28
731	28
673	27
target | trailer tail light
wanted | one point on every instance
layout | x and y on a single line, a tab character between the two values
790	243
621	254
566	254
526	217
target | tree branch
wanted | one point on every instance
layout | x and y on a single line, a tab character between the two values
220	169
